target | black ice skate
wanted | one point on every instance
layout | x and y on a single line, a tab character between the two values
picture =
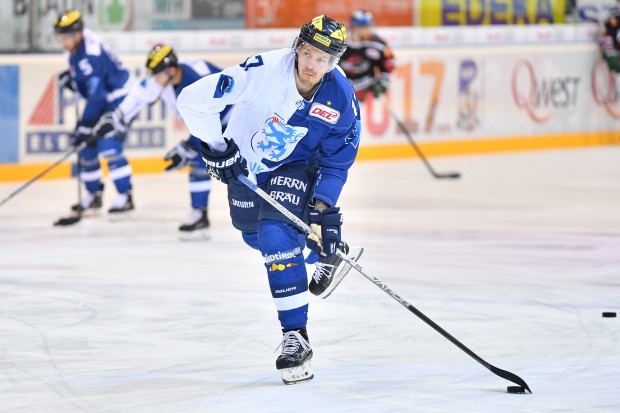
197	225
294	362
330	271
90	203
122	205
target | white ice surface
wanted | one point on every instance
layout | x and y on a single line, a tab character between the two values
517	260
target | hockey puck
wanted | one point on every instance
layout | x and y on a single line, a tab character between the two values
609	314
515	389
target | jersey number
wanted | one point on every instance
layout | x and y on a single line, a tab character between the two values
258	61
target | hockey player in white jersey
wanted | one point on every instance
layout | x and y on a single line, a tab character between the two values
167	77
295	128
100	78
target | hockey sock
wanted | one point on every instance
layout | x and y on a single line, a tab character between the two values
199	187
91	174
120	172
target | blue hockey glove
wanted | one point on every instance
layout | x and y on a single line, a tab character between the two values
179	156
224	166
64	81
326	235
82	134
111	124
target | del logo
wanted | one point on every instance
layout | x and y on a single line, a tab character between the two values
326	113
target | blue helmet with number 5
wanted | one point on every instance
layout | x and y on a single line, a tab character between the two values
361	18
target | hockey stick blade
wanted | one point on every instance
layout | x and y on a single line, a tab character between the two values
510	377
66	221
435	174
448	175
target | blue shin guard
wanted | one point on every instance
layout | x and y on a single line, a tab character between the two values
279	244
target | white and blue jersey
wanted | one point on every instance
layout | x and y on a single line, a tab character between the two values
299	150
149	91
273	124
99	77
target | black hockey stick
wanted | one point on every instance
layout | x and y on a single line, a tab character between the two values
76	216
54	165
403	128
304	227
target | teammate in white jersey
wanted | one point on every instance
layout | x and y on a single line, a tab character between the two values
296	127
167	77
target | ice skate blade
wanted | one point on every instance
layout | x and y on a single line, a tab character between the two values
197	235
299	374
121	216
91	212
343	269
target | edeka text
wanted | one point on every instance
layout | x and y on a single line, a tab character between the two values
496	12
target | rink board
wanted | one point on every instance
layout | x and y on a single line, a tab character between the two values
453	100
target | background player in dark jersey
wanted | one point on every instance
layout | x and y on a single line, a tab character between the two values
610	46
368	59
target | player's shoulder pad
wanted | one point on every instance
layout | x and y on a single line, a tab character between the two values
92	43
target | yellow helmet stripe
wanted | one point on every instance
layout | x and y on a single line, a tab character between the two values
159	55
318	22
69	18
340	34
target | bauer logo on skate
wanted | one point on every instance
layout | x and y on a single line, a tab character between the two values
326	113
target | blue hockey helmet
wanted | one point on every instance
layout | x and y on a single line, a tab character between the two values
69	21
361	18
160	58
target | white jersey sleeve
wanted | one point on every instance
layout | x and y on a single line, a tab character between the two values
200	103
140	95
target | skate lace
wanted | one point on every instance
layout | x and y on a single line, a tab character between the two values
291	341
322	269
194	216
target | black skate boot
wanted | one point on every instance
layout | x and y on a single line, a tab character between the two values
196	226
330	271
91	202
122	205
294	362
